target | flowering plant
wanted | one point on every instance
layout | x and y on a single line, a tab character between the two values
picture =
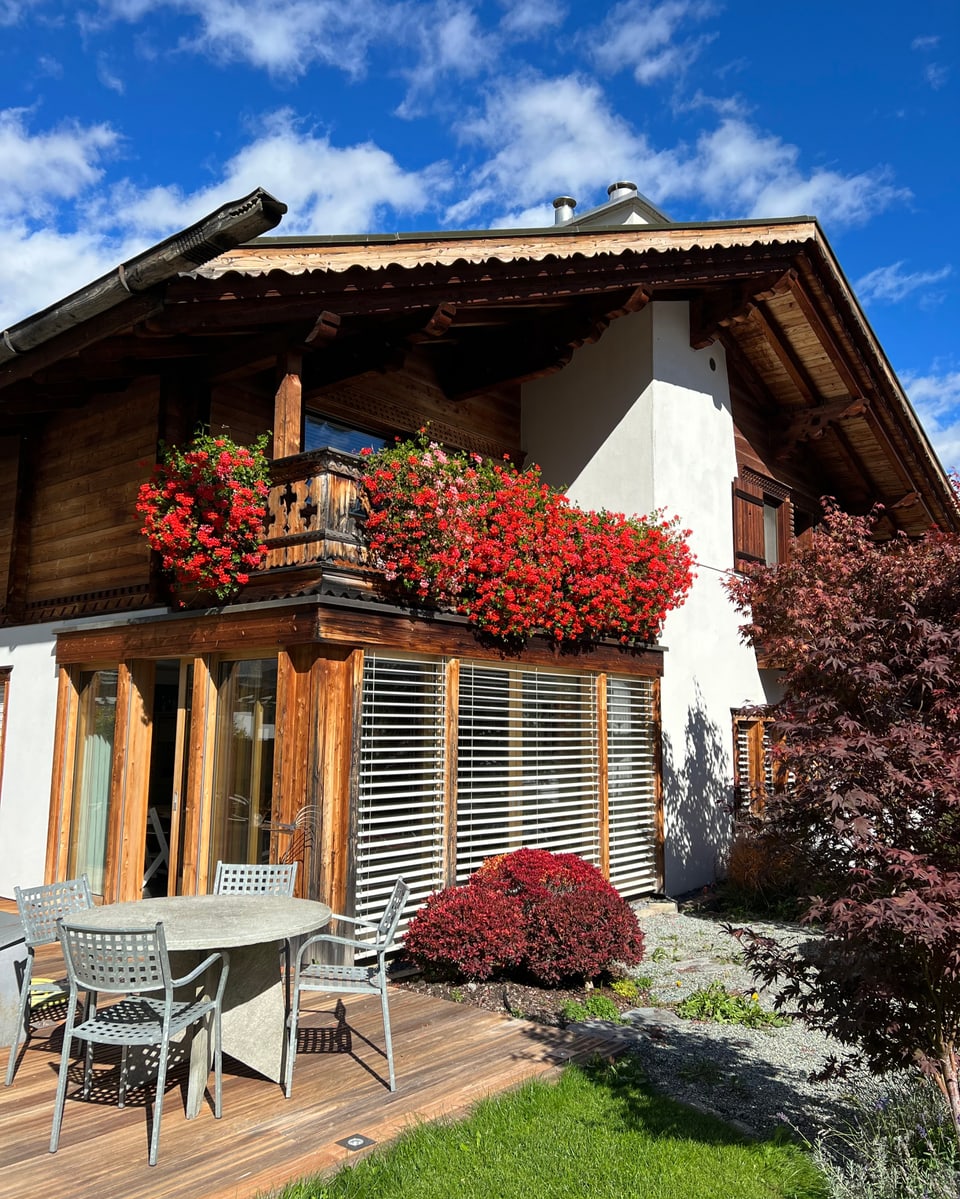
513	554
203	511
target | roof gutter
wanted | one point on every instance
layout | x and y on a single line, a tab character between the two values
230	225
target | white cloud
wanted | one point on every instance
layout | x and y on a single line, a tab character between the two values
328	188
278	36
549	136
447	41
936	75
108	77
529	18
889	284
925	42
640	36
56	164
936	397
553	136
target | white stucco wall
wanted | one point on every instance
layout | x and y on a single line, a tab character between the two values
28	754
641	421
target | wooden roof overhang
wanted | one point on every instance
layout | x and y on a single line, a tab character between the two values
480	311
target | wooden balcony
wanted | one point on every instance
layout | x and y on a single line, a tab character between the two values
448	1056
312	512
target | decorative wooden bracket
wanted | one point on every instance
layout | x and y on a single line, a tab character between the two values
814	422
325	329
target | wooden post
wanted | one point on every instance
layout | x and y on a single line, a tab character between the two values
288	407
603	779
61	785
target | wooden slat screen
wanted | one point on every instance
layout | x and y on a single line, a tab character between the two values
527	766
400	816
632	785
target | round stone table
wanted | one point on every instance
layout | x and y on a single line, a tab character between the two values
251	929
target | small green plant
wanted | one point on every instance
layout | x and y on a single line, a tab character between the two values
669	951
627	988
595	1007
456	995
716	1003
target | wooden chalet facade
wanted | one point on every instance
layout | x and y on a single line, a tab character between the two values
724	371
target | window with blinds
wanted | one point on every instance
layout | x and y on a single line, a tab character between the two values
401	791
527	764
526	742
632	785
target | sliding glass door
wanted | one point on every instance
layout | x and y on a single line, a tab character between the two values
90	807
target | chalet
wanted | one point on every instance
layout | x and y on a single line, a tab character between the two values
720	371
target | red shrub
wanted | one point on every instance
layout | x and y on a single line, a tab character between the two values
550	916
467	932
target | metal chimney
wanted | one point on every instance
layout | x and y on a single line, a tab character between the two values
563	207
621	191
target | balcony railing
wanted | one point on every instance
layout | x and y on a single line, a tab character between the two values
312	508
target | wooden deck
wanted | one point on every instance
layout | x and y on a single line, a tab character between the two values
448	1056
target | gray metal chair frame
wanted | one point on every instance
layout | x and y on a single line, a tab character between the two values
133	963
257	878
254	878
40	908
311	975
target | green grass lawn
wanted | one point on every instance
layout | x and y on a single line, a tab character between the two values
599	1131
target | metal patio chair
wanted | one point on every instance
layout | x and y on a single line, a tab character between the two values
255	878
311	975
40	908
133	963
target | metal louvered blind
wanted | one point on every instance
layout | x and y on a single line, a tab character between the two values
527	764
400	815
632	793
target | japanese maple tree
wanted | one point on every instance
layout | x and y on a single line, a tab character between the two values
867	632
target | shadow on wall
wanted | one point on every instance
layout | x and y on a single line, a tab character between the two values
697	802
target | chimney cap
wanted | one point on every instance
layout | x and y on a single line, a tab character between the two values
621	189
563	207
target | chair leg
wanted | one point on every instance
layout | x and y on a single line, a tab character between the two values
62	1078
23	1018
386	1029
292	1019
217	1065
158	1102
122	1097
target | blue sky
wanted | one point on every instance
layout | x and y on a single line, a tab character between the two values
123	120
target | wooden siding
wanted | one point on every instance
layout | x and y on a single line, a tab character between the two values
83	536
448	1057
9	469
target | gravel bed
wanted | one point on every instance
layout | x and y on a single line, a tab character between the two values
755	1078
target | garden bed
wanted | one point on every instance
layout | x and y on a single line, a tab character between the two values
543	1005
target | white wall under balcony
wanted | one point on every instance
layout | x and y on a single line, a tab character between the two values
28	753
636	422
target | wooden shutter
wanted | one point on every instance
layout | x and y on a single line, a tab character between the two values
632	785
401	784
527	764
748	538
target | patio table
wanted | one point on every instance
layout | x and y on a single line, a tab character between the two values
252	929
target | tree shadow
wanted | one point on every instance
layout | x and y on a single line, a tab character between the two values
698	801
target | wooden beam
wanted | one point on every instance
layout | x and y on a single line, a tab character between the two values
824	335
288	407
776	339
812	423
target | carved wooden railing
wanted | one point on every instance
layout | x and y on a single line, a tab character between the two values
312	511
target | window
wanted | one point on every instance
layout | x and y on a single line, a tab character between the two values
243	761
762	520
527	764
321	433
90	808
757	771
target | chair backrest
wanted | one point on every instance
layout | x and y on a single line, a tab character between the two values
254	878
41	907
117	960
394	910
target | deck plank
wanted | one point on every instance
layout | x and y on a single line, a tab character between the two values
448	1056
